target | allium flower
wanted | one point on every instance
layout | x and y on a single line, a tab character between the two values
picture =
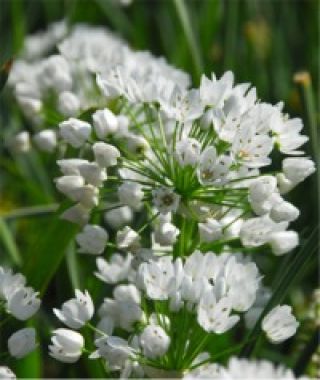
92	239
22	342
105	123
75	132
165	200
46	140
23	303
115	270
279	324
77	311
6	373
66	345
154	341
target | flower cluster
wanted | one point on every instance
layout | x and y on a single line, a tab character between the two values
21	302
171	186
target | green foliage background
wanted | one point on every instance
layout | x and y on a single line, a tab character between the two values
264	42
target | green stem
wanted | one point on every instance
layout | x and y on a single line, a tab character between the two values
190	36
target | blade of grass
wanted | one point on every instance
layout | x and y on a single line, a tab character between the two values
188	29
9	243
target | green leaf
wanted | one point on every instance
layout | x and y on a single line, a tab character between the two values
9	243
48	252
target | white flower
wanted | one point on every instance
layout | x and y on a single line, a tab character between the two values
297	169
66	345
240	283
23	303
214	316
154	341
56	74
188	151
77	311
215	91
22	342
86	195
46	140
284	212
76	214
70	166
124	309
261	188
115	350
166	233
115	270
10	282
283	241
92	239
68	104
156	278
127	238
92	173
131	194
165	200
118	217
105	155
137	145
105	123
213	169
6	373
20	143
256	231
75	132
256	369
210	230
287	133
279	324
68	184
251	149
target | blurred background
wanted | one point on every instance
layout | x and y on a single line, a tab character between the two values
274	44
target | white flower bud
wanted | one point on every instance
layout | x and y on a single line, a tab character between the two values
279	324
20	143
284	212
262	188
118	217
284	184
6	373
76	312
46	140
297	169
68	104
92	239
114	349
127	238
66	345
210	230
137	145
131	194
23	303
105	123
154	342
284	241
123	125
56	73
68	184
92	173
30	106
87	195
70	166
188	152
22	342
115	270
105	155
166	234
75	132
76	214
